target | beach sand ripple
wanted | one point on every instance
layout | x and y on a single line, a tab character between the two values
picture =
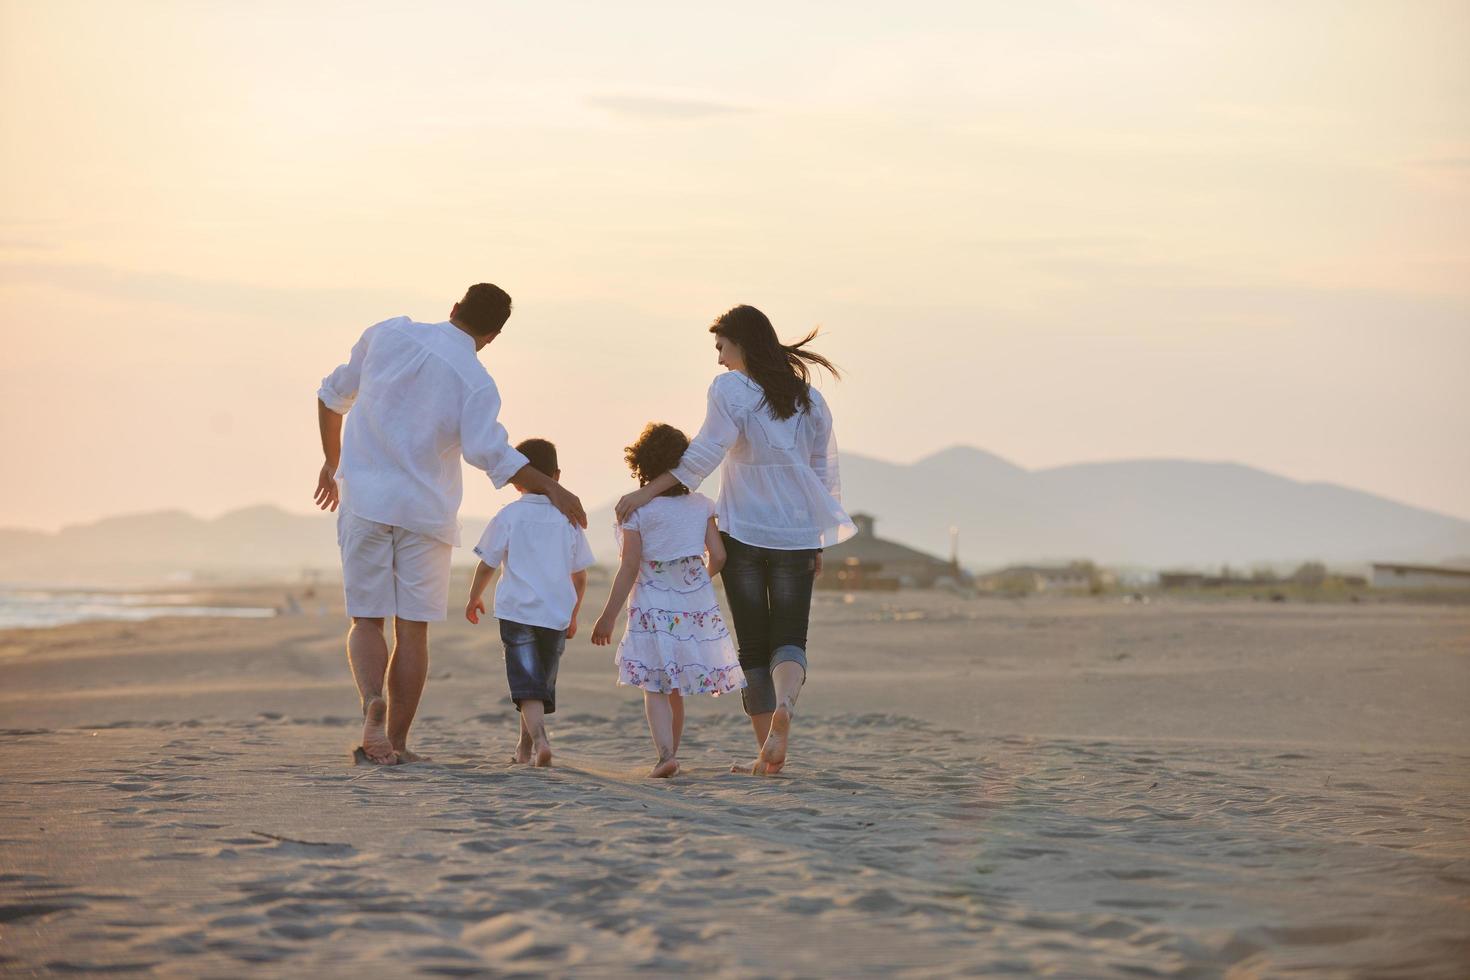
890	847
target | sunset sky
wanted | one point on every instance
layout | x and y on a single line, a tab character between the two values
1060	232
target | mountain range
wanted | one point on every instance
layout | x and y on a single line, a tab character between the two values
1148	513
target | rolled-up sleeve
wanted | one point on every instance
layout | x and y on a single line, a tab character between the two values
339	389
483	439
708	448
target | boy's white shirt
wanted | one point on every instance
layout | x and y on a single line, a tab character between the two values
418	398
537	549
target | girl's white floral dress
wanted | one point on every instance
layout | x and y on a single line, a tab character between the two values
677	638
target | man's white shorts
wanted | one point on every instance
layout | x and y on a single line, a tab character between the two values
390	571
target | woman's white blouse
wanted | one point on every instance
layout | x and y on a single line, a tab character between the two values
780	487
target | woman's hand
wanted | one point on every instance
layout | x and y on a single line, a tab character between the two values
602	632
630	502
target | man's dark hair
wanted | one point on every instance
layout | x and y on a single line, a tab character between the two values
484	309
541	454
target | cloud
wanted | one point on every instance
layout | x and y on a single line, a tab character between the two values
661	109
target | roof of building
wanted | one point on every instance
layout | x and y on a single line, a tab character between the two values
867	546
1422	569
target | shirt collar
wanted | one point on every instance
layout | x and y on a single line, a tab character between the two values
459	335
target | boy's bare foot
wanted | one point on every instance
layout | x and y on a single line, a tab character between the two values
773	753
375	744
665	768
543	754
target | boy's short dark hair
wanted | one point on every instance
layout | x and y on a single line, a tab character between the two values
541	454
484	309
658	450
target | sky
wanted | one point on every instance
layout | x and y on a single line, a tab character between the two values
1060	232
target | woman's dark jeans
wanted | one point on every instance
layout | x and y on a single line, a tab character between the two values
770	597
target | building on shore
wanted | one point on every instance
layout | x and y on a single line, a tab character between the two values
1074	577
868	562
1387	575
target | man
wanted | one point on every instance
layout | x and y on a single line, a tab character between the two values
420	398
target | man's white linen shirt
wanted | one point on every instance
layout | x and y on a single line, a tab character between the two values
779	487
537	550
418	399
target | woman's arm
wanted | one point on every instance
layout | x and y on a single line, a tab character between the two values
622	585
706	450
715	547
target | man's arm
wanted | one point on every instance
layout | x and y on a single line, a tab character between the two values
486	446
333	400
563	499
330	424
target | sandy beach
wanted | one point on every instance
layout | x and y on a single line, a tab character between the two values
1071	787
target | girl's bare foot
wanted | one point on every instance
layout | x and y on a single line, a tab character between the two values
375	744
543	754
773	753
665	768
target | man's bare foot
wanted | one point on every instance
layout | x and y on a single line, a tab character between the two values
523	752
405	756
773	753
665	768
543	754
375	744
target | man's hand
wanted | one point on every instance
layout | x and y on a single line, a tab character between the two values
566	502
602	632
475	610
630	502
572	629
817	568
326	496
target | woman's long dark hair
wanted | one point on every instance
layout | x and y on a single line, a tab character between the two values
780	369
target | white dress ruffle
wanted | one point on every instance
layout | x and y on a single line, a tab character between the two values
676	638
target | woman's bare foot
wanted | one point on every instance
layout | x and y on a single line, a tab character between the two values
375	744
665	768
543	754
773	753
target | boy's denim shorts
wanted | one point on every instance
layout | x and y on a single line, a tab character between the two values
532	654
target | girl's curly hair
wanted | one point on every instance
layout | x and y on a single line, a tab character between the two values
658	450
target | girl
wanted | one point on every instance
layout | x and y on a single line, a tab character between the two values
676	642
780	504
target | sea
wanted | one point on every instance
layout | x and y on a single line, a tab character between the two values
33	608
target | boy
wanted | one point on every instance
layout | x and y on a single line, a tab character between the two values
545	560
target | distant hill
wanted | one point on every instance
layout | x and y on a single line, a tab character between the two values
1152	513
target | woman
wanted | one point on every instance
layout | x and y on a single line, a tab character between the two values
779	505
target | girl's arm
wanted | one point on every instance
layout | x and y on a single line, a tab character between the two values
622	585
476	606
715	547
